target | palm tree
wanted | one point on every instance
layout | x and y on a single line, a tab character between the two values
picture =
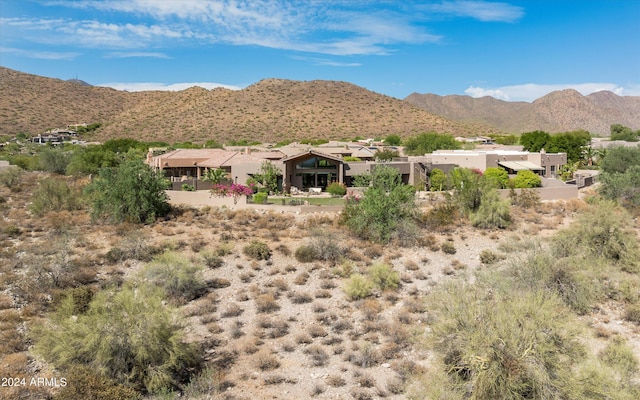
214	175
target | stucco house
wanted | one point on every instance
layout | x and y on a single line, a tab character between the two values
545	164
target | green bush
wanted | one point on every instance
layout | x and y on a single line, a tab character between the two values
11	177
384	277
132	192
492	212
526	179
337	189
503	345
260	198
129	336
306	253
387	204
438	180
358	287
55	194
619	355
180	279
257	250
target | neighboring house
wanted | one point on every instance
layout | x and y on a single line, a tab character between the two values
545	164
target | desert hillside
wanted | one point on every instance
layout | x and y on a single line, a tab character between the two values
561	111
268	111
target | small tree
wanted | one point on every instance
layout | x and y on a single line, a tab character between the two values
493	212
131	192
387	204
386	154
54	160
393	140
214	175
268	176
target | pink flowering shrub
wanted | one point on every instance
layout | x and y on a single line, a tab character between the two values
235	190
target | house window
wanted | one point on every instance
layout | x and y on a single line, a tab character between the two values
553	169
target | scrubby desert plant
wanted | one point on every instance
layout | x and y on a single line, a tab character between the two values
257	250
358	287
383	276
180	279
505	345
126	335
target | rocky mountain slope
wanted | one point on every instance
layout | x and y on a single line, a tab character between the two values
268	111
559	111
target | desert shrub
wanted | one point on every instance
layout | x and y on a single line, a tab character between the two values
55	194
358	287
448	248
211	259
84	383
257	250
180	279
603	231
336	381
441	216
306	253
266	303
337	189
266	361
133	246
489	257
323	246
81	297
208	382
318	356
11	177
619	355
528	198
492	212
632	313
383	276
495	346
128	336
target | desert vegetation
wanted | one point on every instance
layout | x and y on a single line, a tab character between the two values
462	295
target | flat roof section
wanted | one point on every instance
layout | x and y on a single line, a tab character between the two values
520	165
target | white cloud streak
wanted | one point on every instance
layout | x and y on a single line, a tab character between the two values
347	27
135	54
174	87
480	10
531	91
42	55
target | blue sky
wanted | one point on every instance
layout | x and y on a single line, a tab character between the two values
512	50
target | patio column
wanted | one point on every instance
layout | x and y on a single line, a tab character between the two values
340	172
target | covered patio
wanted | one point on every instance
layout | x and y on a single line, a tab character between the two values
312	170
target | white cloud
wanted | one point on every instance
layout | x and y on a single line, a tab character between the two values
481	10
325	62
531	91
346	27
174	87
135	54
42	55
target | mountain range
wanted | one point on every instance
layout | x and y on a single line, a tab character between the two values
560	111
275	110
